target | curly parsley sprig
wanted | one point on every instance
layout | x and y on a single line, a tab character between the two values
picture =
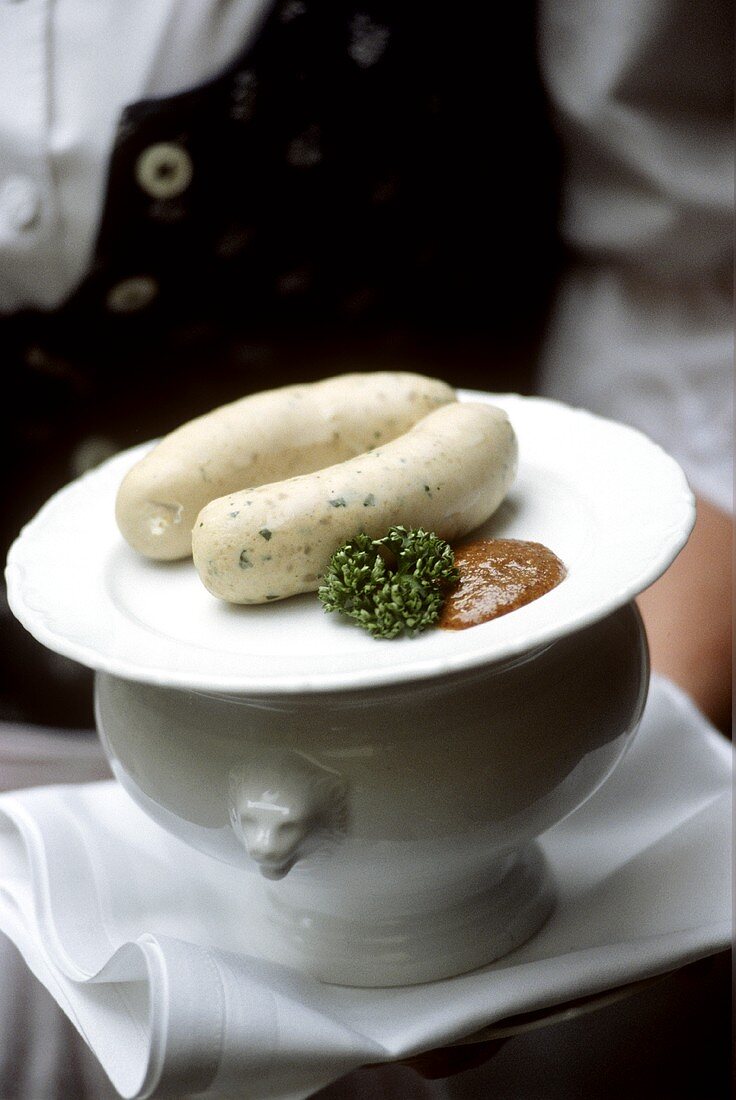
393	585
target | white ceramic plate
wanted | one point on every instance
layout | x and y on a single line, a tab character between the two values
603	497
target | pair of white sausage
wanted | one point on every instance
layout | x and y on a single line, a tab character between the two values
368	451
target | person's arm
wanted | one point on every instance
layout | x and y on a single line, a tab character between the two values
688	614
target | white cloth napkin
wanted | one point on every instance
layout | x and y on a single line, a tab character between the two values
147	960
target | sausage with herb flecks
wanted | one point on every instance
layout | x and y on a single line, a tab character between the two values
446	474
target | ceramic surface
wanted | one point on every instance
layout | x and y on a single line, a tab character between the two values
605	499
395	826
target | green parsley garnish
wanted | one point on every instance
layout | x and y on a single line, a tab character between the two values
390	586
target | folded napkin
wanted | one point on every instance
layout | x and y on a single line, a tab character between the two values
147	960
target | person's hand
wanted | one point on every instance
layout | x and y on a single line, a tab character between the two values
688	616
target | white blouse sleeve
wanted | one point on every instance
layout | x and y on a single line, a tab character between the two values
641	329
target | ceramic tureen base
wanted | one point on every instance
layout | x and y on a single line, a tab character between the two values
385	945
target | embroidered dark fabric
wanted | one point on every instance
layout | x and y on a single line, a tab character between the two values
365	187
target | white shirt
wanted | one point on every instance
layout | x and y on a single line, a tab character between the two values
642	326
67	69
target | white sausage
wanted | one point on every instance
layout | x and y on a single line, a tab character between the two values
262	438
447	474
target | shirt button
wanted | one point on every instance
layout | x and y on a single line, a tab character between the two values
20	203
132	294
164	170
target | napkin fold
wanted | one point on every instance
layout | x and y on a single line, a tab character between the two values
141	940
